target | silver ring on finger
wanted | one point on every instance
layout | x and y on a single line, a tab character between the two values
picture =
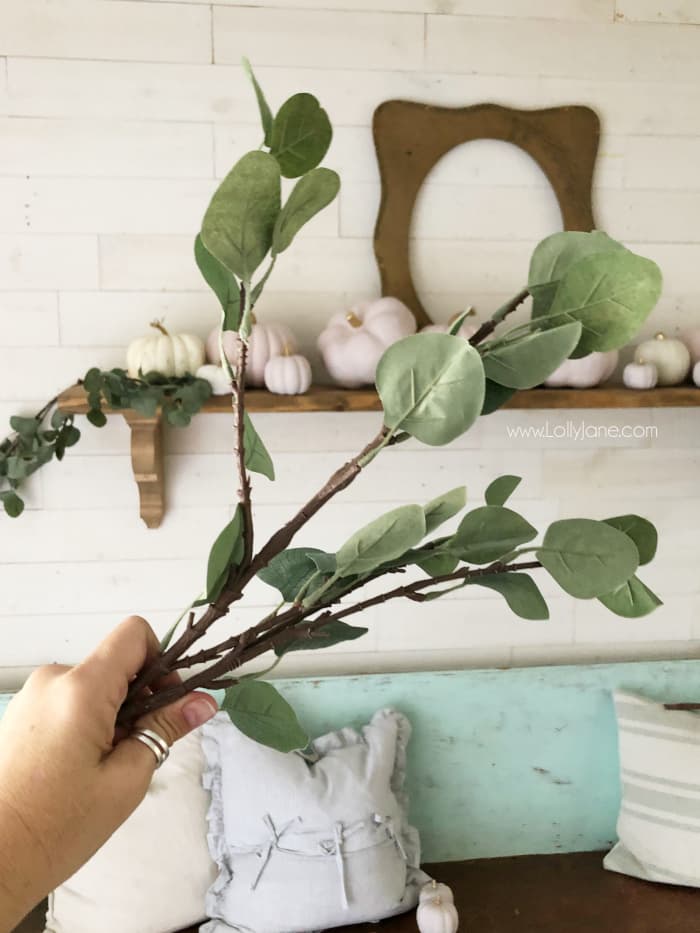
155	742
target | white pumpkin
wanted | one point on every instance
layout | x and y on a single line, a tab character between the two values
353	342
164	353
696	374
217	377
266	341
640	375
436	889
466	330
670	356
289	374
692	340
437	916
585	372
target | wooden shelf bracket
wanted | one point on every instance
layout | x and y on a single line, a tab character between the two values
147	464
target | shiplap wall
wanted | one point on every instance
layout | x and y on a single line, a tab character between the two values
117	119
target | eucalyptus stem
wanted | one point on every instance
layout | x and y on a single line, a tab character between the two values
488	327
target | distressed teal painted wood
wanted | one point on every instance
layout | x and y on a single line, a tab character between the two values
502	762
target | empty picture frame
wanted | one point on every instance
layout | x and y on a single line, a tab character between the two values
411	138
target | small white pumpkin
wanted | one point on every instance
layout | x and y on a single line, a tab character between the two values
692	340
437	916
436	889
217	377
585	372
288	374
353	342
266	341
640	375
164	353
670	356
466	330
696	374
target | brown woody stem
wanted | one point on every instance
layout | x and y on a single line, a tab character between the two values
488	327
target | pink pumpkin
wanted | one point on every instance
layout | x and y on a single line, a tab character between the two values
266	342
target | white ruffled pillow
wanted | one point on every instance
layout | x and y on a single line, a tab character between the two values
310	844
153	874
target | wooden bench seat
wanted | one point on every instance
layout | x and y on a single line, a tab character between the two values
542	894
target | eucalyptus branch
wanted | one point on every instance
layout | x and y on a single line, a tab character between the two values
488	327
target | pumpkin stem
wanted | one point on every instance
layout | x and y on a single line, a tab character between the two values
253	319
660	336
352	319
468	312
285	350
159	326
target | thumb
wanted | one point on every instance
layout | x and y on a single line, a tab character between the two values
131	764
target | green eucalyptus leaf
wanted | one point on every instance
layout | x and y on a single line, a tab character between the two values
610	293
93	381
520	592
221	281
18	468
632	600
432	386
226	552
57	419
178	417
263	106
333	633
289	570
526	362
25	427
587	558
70	435
439	563
384	539
444	507
12	503
310	195
238	224
300	136
640	530
257	457
488	533
261	713
495	396
500	490
554	255
97	417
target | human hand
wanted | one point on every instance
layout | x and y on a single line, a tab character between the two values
67	780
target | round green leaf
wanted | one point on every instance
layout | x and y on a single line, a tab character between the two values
300	136
501	489
384	539
310	195
238	224
431	386
444	507
258	710
289	570
632	600
495	396
587	558
641	531
554	255
520	592
13	505
611	294
526	363
488	533
97	417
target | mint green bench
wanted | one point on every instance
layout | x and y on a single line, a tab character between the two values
505	765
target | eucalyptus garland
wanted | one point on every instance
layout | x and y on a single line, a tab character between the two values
36	440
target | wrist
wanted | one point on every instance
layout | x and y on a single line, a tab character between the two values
20	888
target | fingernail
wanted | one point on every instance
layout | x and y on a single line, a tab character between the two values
197	712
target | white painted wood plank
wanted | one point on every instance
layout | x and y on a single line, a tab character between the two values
36	263
44	371
507	47
169	32
663	162
220	93
104	148
28	319
656	11
577	10
318	38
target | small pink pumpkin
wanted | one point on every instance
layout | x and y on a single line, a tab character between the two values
266	342
353	341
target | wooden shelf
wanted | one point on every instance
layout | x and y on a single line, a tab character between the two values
147	443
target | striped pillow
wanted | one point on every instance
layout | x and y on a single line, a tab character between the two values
659	821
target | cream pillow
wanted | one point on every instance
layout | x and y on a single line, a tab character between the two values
153	874
310	842
659	821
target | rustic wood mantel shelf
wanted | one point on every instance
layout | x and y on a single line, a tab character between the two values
147	440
